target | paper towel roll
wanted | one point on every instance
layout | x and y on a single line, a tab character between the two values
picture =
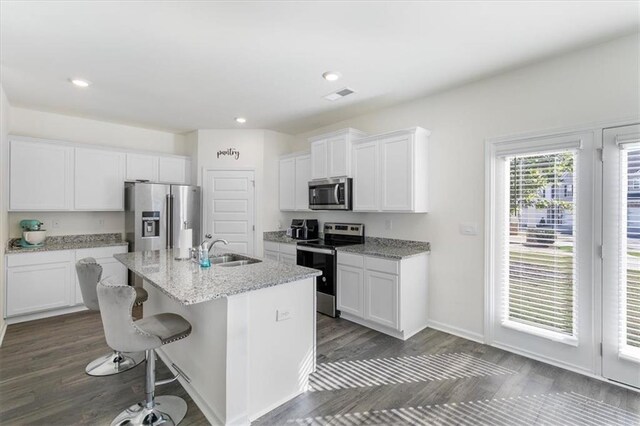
184	245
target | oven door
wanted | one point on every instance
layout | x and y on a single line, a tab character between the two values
324	260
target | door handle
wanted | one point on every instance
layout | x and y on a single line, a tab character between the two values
335	193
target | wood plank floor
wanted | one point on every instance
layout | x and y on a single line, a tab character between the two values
42	379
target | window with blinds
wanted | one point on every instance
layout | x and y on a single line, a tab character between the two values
630	249
540	262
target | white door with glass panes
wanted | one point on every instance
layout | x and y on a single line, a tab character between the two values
542	248
621	255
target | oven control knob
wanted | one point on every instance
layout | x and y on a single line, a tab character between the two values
324	279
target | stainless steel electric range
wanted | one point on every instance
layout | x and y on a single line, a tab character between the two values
321	254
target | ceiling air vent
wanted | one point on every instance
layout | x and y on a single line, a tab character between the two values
339	94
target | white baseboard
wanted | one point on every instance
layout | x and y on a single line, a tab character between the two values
3	331
456	331
206	409
261	413
382	329
45	314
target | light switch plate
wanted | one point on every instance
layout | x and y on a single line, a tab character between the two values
469	228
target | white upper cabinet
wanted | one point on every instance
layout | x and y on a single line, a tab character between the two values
365	176
303	176
40	176
288	183
331	153
339	156
47	175
319	160
99	179
174	170
142	167
396	173
390	172
295	174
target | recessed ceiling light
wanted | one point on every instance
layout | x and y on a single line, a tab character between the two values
331	75
79	82
241	120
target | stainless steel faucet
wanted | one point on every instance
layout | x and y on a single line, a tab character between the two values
219	240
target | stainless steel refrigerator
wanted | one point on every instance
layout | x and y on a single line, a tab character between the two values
156	214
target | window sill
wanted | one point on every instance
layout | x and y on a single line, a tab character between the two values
630	354
545	334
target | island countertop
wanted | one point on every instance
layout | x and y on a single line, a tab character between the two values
188	283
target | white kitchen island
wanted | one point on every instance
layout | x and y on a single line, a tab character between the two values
252	346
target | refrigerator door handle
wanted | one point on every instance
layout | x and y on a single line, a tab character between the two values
168	213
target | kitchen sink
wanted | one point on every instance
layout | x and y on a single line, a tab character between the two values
229	260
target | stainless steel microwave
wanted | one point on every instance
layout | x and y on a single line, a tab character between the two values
330	194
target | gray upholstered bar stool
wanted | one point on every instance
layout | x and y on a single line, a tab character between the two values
126	335
89	275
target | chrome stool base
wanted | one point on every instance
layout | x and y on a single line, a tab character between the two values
114	363
168	410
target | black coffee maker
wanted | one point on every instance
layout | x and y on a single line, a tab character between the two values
304	229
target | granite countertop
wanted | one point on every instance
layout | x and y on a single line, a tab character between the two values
278	237
388	248
188	283
69	242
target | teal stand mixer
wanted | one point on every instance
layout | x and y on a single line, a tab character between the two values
32	233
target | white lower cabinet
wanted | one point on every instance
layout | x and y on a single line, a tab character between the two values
38	283
281	252
351	290
381	300
45	284
387	295
272	255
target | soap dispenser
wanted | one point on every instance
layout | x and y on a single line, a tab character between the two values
203	255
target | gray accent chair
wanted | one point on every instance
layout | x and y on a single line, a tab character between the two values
89	274
147	334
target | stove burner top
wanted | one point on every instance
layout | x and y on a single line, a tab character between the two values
328	244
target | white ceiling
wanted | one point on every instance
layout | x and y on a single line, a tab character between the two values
180	66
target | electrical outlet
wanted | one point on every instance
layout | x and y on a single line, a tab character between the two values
469	228
283	314
100	223
388	224
55	223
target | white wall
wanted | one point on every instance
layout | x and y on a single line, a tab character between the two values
26	122
4	132
255	147
275	145
596	84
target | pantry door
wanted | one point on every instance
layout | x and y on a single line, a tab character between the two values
621	255
229	208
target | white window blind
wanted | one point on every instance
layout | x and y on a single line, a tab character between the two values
539	257
629	266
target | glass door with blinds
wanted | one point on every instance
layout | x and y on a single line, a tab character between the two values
621	255
542	248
